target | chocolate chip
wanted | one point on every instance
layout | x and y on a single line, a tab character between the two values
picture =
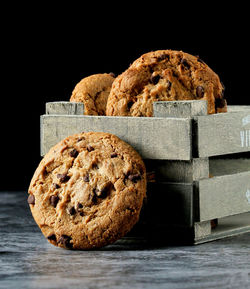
220	102
90	148
52	237
63	177
79	206
100	194
113	155
95	166
199	91
104	191
56	186
72	211
86	178
54	200
130	104
97	94
94	196
163	57
73	153
131	210
134	178
80	139
185	63
45	172
31	199
112	74
81	214
175	74
155	79
65	241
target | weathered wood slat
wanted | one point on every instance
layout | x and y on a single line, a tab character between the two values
153	138
233	108
220	167
187	108
202	229
222	196
228	226
223	133
64	108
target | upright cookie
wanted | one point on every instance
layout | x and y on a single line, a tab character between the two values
88	191
93	91
164	75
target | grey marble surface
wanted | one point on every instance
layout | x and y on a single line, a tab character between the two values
27	260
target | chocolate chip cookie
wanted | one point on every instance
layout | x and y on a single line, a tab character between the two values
164	75
88	191
93	91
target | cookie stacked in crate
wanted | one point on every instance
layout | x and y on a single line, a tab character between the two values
166	107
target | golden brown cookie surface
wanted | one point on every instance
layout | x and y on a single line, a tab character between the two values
88	191
93	91
164	75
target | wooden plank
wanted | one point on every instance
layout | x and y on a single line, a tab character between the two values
233	108
223	133
153	138
222	196
227	227
169	204
187	108
179	171
220	167
65	108
202	229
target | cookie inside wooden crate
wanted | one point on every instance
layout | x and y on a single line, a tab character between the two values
164	75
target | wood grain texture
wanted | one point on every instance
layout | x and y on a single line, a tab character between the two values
202	229
227	227
223	133
65	108
233	108
220	167
187	108
153	138
223	196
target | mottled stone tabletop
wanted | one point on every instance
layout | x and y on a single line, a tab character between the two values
27	260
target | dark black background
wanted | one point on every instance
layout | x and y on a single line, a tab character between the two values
46	51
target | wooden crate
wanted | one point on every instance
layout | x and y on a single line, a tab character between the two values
201	163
